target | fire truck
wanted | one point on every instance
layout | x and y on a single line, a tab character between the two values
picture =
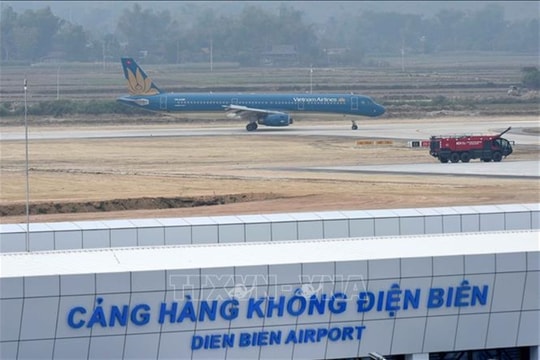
467	147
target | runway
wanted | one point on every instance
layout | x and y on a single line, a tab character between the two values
506	169
378	129
524	134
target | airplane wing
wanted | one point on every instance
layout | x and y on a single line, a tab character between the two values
247	112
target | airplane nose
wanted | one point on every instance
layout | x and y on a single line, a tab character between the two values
379	110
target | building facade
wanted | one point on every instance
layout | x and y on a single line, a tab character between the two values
281	291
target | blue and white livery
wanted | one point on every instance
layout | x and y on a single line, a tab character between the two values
257	109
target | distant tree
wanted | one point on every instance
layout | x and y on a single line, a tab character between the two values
531	77
484	28
145	30
72	41
34	33
8	22
448	28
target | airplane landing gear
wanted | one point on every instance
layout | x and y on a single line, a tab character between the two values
354	126
252	126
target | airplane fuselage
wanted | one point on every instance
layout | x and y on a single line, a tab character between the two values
257	109
349	104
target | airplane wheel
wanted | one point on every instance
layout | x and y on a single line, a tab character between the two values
354	127
251	126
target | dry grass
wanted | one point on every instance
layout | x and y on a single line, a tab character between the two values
258	170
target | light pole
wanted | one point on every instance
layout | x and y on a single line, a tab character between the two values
311	79
26	168
211	54
58	83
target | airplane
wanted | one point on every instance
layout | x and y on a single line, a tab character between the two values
257	109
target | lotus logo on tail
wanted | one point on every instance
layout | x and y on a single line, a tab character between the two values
139	85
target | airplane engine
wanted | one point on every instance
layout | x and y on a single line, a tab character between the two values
280	119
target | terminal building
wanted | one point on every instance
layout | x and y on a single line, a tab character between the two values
431	283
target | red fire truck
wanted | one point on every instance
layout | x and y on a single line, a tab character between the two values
467	147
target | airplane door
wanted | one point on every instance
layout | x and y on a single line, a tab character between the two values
354	103
300	105
234	101
163	102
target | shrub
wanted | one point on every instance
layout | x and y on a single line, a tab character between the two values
531	77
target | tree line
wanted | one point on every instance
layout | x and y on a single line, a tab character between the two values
191	35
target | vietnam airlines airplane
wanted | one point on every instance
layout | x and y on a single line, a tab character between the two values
257	109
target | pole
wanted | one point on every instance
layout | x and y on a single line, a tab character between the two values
311	80
58	83
27	238
211	55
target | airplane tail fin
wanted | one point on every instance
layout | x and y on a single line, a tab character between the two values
138	82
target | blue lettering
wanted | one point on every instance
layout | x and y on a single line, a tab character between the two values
229	309
214	341
309	335
98	316
409	298
280	306
204	308
462	294
121	316
321	333
244	340
347	333
228	340
392	299
197	342
261	338
187	312
366	300
255	306
479	295
337	307
359	330
71	314
449	296
314	303
164	312
380	301
334	334
140	317
435	298
299	309
291	337
275	337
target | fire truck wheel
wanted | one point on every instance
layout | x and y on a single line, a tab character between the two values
497	156
465	157
443	159
454	157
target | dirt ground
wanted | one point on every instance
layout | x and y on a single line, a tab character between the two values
91	179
